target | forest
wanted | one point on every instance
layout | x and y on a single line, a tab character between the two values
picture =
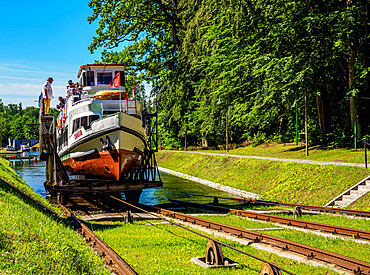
15	122
245	67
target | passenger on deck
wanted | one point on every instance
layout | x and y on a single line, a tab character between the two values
61	104
78	86
70	88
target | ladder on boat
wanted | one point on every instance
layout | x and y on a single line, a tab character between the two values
55	171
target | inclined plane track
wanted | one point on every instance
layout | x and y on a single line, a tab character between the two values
112	258
333	229
347	263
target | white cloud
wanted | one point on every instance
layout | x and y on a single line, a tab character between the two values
31	71
15	77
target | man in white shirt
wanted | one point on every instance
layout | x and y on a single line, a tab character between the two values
47	94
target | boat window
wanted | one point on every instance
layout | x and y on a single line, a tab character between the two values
76	124
88	78
84	121
104	78
93	117
63	138
87	120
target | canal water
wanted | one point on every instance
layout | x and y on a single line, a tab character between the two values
173	187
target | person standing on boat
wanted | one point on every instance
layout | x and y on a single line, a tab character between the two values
70	88
61	104
47	94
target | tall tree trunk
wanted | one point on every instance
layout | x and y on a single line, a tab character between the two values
204	142
320	112
351	75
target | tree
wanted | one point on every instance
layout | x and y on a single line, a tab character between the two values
252	61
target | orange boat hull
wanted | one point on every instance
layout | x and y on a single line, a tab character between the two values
110	164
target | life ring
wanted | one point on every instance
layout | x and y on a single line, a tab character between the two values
110	95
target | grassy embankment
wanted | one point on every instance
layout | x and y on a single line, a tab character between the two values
33	242
274	180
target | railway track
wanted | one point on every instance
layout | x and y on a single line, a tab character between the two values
112	259
361	213
358	267
333	229
268	268
121	267
353	265
109	255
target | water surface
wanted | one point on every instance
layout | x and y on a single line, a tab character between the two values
173	187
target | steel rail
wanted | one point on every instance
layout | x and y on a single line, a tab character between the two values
111	257
362	213
199	234
333	229
304	206
351	264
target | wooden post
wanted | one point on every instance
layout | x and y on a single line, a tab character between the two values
305	122
296	124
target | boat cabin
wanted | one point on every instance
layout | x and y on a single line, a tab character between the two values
99	76
96	100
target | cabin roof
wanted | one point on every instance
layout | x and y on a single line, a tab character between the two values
87	66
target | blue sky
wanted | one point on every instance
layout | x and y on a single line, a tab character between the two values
42	39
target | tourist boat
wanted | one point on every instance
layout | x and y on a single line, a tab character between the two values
25	147
100	131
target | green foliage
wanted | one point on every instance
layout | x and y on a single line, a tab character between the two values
248	61
13	120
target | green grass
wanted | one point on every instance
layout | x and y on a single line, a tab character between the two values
345	247
339	220
319	153
362	203
8	174
280	181
32	242
167	249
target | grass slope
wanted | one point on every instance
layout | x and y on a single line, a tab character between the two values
281	181
319	153
32	242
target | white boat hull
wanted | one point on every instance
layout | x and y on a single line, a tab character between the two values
112	147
